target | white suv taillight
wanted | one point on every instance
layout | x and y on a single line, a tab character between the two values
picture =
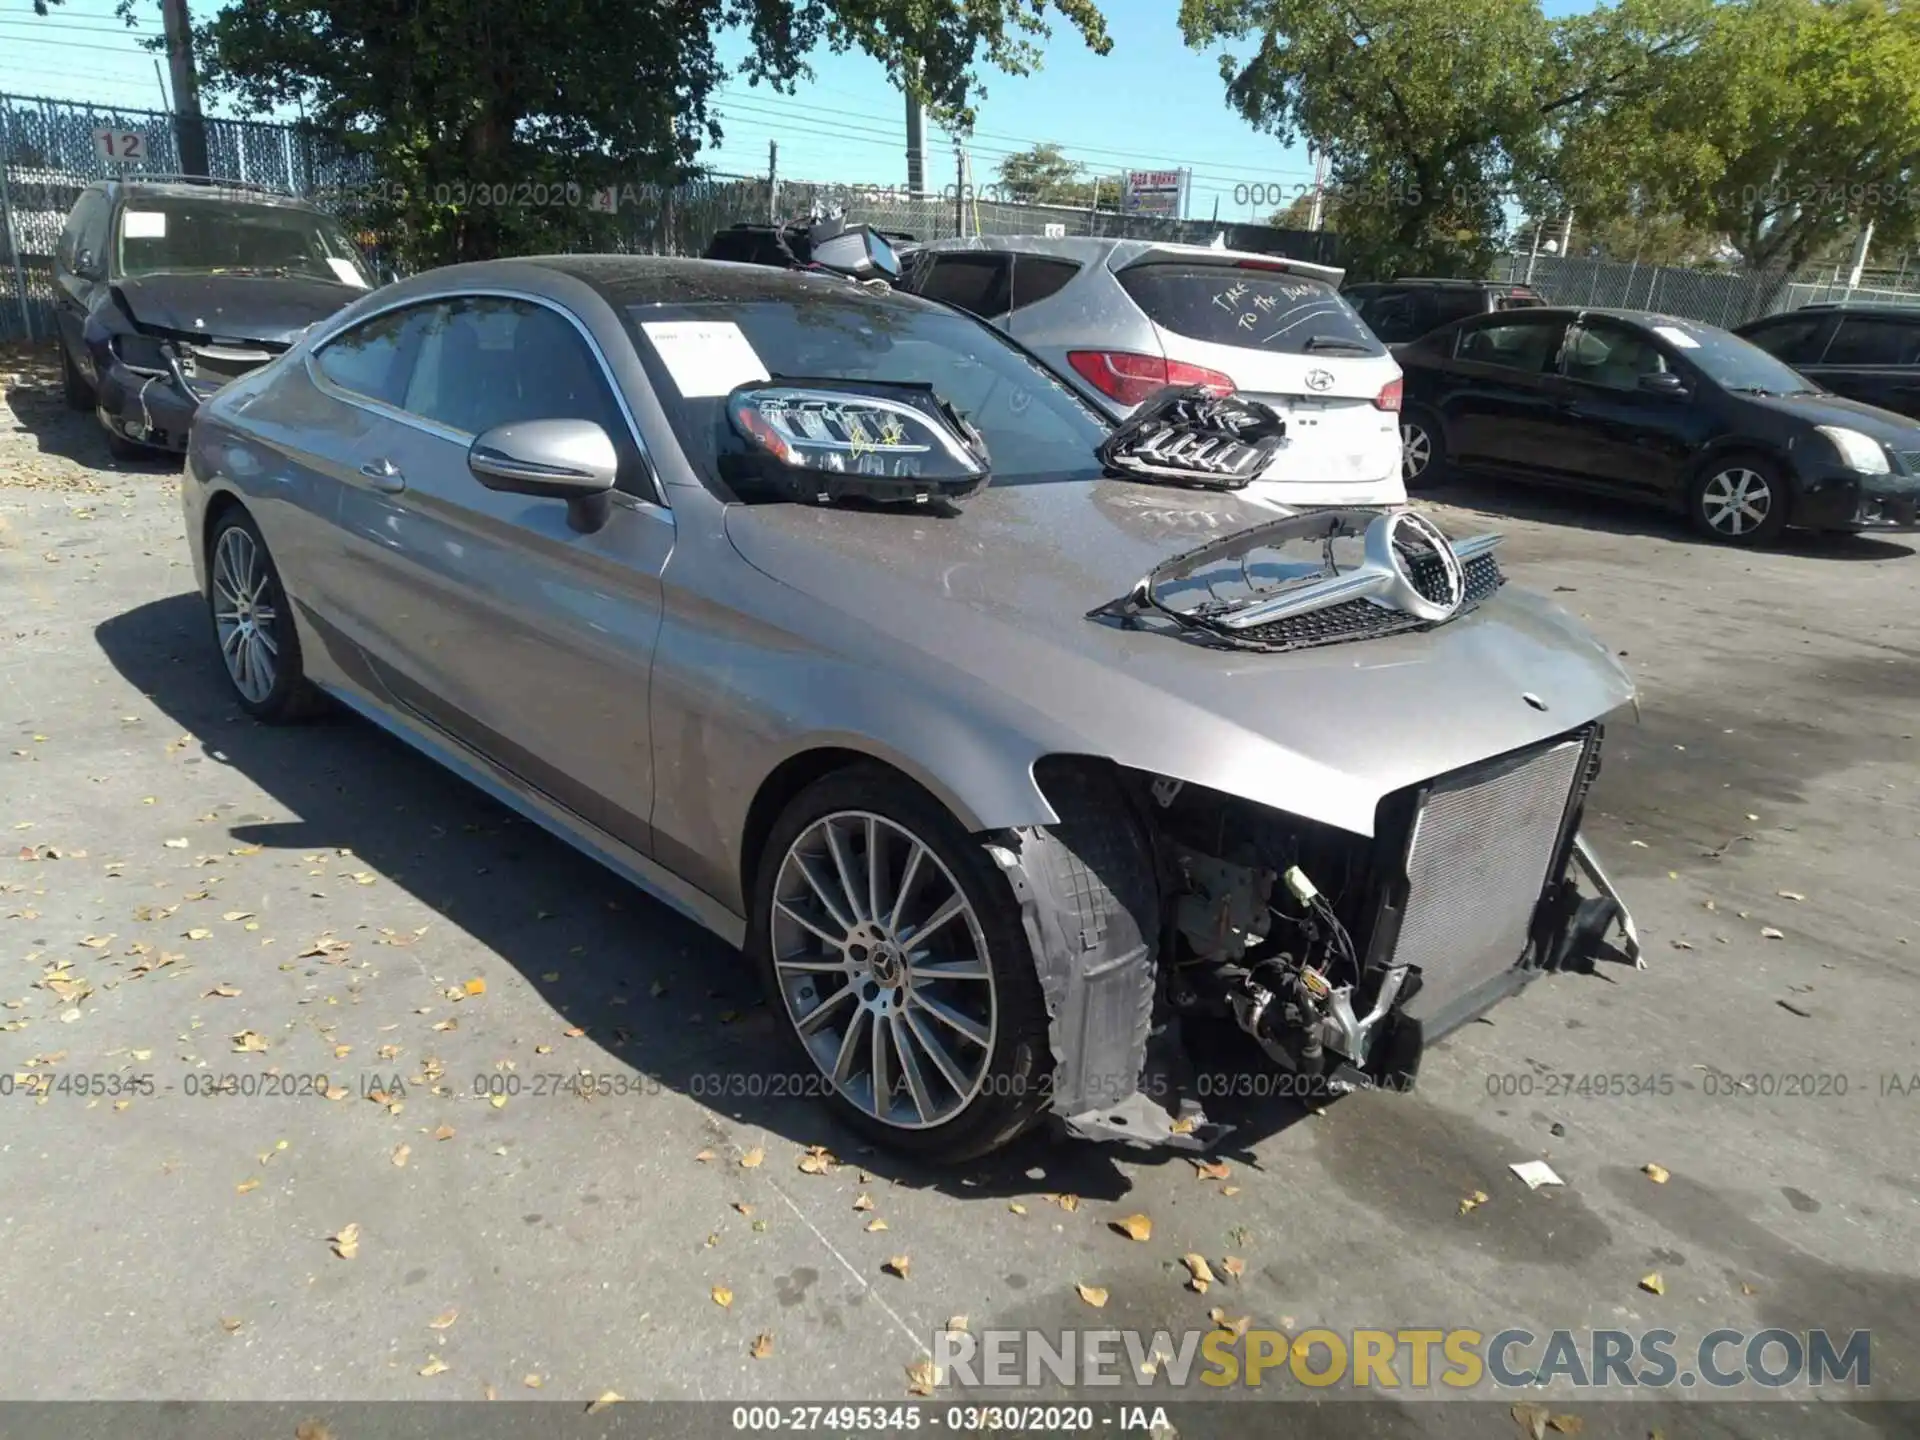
1389	396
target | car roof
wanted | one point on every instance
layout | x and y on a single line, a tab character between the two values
1574	312
185	187
1905	310
623	280
1116	253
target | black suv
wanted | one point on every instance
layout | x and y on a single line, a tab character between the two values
1401	310
167	287
1865	352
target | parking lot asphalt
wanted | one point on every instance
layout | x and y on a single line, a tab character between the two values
186	895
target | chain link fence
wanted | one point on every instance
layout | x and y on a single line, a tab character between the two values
50	150
1718	297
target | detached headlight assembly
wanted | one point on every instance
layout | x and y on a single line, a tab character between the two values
1857	451
142	354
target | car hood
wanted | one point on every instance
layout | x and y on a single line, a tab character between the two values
1885	426
1000	595
273	308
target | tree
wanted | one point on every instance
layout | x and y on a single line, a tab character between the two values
1433	114
1297	216
1791	125
489	122
1044	175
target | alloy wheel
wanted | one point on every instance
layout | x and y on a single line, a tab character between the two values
1737	501
883	967
244	615
1416	450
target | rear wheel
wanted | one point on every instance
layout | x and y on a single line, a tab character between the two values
892	952
1423	450
1739	499
253	624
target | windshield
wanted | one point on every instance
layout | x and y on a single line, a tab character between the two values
1729	361
214	234
1034	426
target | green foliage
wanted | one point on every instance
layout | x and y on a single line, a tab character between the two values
1789	126
489	120
1298	215
1434	114
1043	175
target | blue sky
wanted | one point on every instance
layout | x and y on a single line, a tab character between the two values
1149	104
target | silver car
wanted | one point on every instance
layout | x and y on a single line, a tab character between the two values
1120	318
999	782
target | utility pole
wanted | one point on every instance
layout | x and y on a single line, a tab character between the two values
189	125
1319	187
773	182
959	190
1566	235
1533	254
916	149
1859	261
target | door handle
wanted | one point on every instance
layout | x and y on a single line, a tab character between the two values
385	476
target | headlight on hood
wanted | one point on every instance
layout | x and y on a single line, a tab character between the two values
1857	451
142	354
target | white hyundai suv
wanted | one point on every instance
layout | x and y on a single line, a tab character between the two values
1121	318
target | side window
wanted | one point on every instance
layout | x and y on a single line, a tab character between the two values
1457	302
1036	277
970	281
486	361
1394	317
1611	355
1874	340
1528	345
1794	340
80	229
366	359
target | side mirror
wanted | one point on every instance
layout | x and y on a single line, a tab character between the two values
1664	382
87	267
570	460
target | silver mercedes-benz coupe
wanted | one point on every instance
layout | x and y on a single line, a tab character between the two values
1020	753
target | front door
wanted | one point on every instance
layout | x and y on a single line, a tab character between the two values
486	613
1617	435
1501	396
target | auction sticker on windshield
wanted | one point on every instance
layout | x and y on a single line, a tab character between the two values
144	225
1676	337
705	357
344	272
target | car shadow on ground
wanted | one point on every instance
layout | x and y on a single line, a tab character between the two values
37	401
1548	505
659	993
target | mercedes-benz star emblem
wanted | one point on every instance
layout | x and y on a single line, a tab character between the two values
1393	541
1319	380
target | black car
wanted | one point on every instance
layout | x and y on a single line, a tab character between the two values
1868	352
1401	310
1685	415
166	288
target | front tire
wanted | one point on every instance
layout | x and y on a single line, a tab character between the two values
73	385
894	960
253	624
1739	500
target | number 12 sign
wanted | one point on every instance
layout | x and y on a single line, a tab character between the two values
120	146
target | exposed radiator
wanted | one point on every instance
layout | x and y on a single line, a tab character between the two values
1477	862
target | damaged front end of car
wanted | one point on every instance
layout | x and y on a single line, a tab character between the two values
1342	956
153	380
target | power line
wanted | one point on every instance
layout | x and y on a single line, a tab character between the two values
108	29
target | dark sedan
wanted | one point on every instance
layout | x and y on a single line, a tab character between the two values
166	288
1681	414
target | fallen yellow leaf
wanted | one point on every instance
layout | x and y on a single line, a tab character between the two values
863	1202
876	1225
1658	1174
1200	1274
1653	1283
444	1319
1211	1169
1094	1295
346	1243
923	1377
445	1132
722	1296
245	1185
704	1156
475	986
1016	1207
898	1264
1472	1202
753	1158
433	1366
532	1382
400	1154
499	1102
1234	1266
1135	1227
762	1345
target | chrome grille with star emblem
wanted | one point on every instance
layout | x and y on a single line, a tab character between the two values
1320	578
